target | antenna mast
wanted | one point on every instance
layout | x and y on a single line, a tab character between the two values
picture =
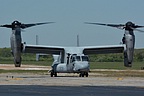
77	40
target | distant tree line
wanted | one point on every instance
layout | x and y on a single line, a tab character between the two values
5	55
118	57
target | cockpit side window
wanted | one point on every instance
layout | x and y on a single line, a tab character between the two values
73	59
85	58
78	58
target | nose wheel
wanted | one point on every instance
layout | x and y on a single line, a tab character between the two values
82	74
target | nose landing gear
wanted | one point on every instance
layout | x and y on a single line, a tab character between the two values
82	74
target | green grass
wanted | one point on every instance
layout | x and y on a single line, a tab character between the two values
115	65
93	65
124	71
40	63
24	71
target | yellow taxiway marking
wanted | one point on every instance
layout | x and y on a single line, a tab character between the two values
119	78
16	78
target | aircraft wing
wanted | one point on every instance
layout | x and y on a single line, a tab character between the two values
43	49
104	49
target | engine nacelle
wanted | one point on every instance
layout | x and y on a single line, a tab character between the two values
17	55
17	62
126	61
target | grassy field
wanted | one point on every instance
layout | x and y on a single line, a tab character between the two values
40	63
93	65
134	71
115	65
120	73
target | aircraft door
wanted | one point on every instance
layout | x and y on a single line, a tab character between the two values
69	63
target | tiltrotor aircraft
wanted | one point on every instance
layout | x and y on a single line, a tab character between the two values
128	39
72	59
75	59
16	40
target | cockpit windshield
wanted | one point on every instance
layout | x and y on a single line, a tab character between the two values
85	58
80	58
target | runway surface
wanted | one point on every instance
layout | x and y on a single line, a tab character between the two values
44	85
29	84
35	90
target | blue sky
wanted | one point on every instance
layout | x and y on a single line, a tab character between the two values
70	16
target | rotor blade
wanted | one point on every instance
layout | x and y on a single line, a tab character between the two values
121	26
136	29
137	26
7	26
34	24
139	30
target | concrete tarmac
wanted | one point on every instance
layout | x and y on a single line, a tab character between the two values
43	85
39	90
29	84
68	80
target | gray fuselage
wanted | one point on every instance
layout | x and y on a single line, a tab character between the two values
75	63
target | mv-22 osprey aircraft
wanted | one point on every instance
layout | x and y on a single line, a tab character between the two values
75	59
16	40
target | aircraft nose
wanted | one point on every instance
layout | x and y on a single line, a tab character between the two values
81	66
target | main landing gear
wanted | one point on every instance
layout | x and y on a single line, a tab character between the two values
53	74
82	74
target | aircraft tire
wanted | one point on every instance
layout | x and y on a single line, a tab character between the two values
83	74
80	75
55	74
51	74
86	74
